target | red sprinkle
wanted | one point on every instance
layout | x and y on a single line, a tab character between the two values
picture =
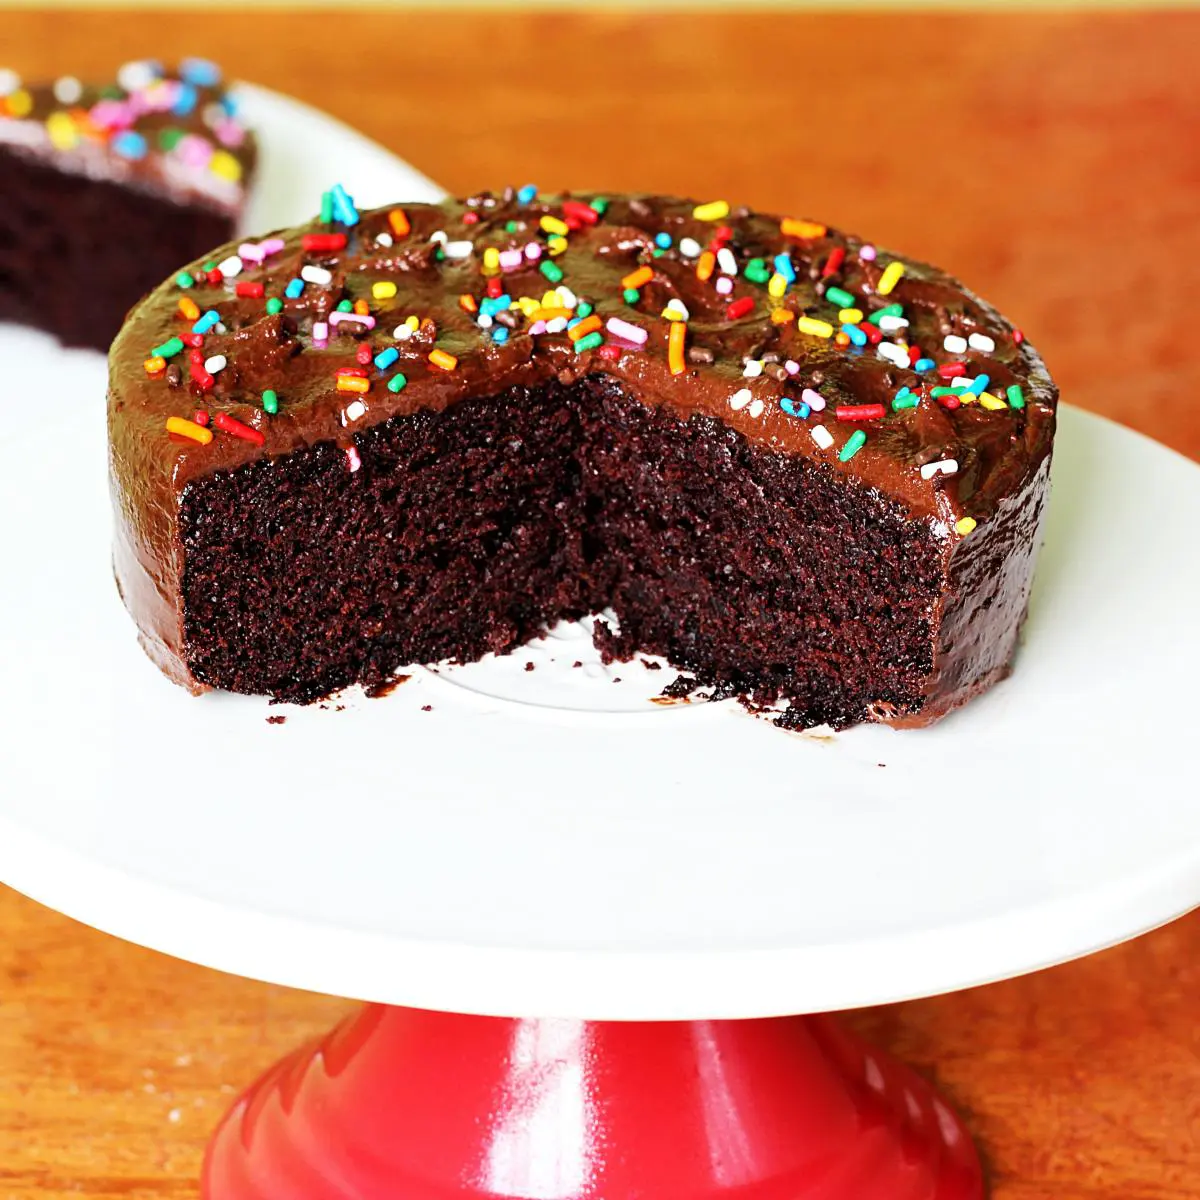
914	355
195	340
836	257
739	308
950	402
228	424
195	357
859	412
576	210
1018	337
215	277
873	332
495	288
363	353
249	290
322	242
609	352
352	371
949	370
202	378
470	218
200	416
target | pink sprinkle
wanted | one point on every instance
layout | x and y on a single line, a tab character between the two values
724	285
251	252
352	459
272	245
814	400
867	253
792	367
627	330
195	151
533	251
230	133
320	333
511	259
111	114
336	318
537	327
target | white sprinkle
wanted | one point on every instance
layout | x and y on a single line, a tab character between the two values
557	325
458	249
484	321
961	381
533	251
215	364
893	353
439	236
352	459
945	466
891	324
813	399
981	341
867	252
9	81
740	399
320	332
756	408
402	333
230	266
679	308
384	239
726	261
510	260
67	90
954	344
724	285
355	411
752	369
311	274
689	247
821	436
134	76
566	297
174	1116
792	367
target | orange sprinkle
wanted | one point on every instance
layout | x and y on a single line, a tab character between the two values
792	227
550	314
155	365
440	358
675	341
586	326
189	429
705	265
635	279
189	308
353	383
398	220
468	304
782	316
362	308
842	339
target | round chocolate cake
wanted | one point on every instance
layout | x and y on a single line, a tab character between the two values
805	470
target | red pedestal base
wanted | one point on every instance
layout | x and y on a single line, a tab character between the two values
398	1104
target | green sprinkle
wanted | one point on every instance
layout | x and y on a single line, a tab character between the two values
631	295
600	205
590	342
184	280
906	401
511	227
888	310
397	383
552	271
1016	397
584	309
854	444
209	266
274	305
439	255
168	139
757	271
945	391
326	208
168	349
270	402
840	297
345	306
657	252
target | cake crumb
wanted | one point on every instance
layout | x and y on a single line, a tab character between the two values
529	666
577	663
278	720
385	687
651	666
427	708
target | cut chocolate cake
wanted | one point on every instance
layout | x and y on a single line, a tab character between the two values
104	190
803	470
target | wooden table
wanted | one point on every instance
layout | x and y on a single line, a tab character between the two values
1052	160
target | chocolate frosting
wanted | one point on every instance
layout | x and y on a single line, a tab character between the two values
174	132
762	351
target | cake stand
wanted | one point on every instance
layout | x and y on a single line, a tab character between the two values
559	894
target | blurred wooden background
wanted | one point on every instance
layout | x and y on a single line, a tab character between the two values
1051	159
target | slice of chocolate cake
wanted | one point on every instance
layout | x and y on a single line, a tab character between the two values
105	190
796	466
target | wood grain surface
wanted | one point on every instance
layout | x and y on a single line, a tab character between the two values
1052	160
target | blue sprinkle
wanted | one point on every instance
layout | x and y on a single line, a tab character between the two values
573	322
293	289
185	101
200	71
855	334
924	364
783	266
230	105
500	334
794	407
385	358
979	383
527	194
662	240
129	144
207	321
343	205
494	304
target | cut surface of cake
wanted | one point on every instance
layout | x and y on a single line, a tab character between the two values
106	189
804	470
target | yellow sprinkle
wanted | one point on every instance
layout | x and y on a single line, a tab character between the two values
889	278
20	103
672	314
64	135
155	365
814	326
527	304
554	225
850	316
362	308
792	227
965	525
714	210
991	402
777	286
782	316
556	245
383	289
413	322
189	429
440	358
964	396
225	166
491	260
189	308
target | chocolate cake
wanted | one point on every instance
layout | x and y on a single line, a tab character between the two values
104	190
801	468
